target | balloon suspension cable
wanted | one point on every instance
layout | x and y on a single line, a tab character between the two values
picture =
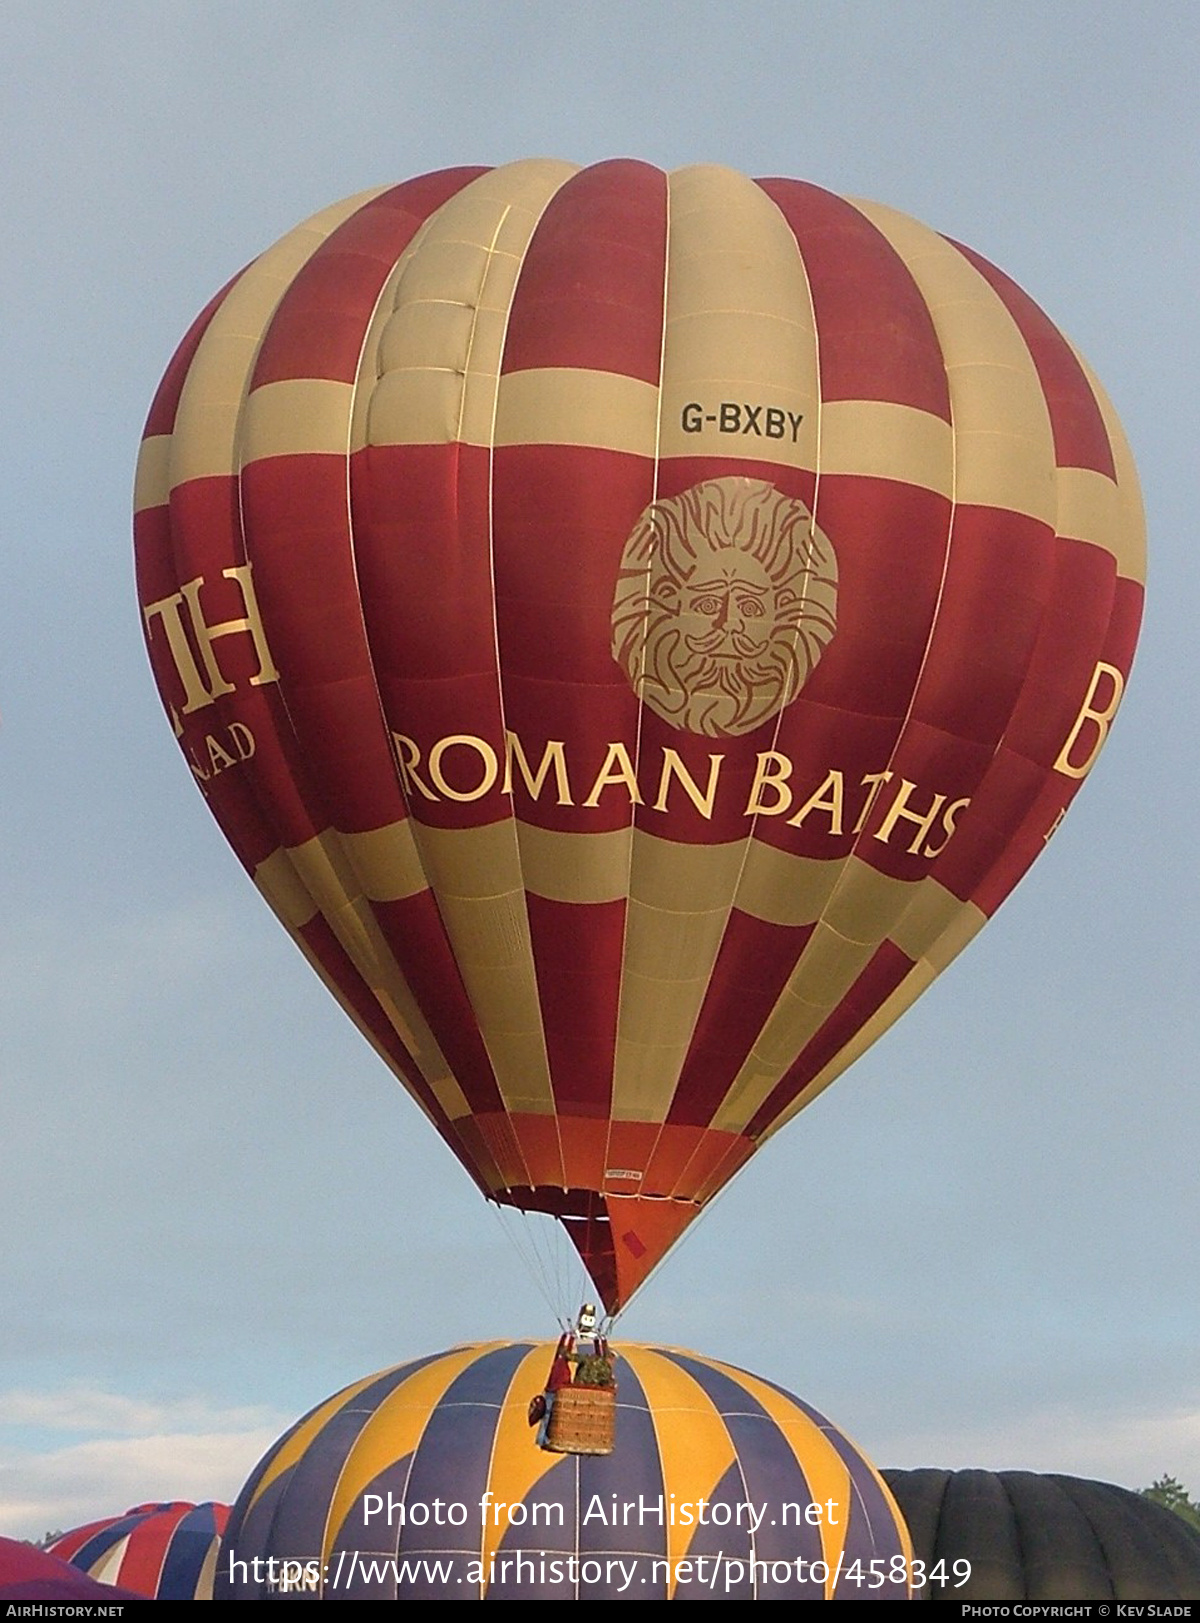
555	1271
526	1248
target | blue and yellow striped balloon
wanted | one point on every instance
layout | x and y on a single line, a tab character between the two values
426	1481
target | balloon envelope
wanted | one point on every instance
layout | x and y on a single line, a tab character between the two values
30	1573
166	1551
634	629
1018	1536
713	1468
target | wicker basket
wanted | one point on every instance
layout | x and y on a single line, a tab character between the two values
583	1420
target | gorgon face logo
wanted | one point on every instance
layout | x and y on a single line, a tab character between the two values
725	601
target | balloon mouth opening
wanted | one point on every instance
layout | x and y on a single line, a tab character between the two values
619	1238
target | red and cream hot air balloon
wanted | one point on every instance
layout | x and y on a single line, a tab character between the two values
634	628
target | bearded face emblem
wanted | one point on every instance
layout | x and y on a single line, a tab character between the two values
725	601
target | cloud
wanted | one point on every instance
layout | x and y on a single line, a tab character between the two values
145	1451
89	1409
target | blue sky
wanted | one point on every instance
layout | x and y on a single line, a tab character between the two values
980	1247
